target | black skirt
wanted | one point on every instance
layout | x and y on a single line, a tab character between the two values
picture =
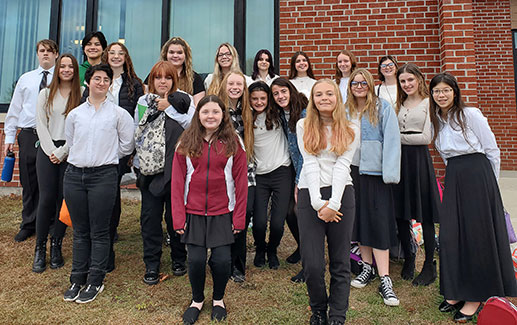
375	224
475	257
416	195
208	231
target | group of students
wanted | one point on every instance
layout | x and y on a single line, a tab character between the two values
338	160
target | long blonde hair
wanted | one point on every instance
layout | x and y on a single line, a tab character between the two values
186	77
217	76
247	113
371	98
315	132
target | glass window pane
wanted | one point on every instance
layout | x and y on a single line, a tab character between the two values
204	24
22	24
73	13
136	24
260	28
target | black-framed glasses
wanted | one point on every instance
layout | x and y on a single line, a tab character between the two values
356	84
227	54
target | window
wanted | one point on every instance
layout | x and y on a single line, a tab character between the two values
22	25
260	26
72	27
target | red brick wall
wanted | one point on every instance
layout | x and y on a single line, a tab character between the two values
437	35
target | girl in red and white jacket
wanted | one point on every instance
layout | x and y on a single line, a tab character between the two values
209	194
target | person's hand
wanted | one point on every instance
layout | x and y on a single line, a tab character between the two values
8	147
328	215
296	194
163	103
235	231
54	159
180	231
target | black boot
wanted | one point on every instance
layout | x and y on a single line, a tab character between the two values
408	270
260	257
272	258
428	274
56	257
40	254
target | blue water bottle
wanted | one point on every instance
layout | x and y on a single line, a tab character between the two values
7	171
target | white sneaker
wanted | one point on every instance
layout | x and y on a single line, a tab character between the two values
365	277
387	293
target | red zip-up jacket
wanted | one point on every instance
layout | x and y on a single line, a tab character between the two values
209	185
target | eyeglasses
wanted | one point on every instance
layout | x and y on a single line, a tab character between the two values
388	65
445	91
227	54
100	80
356	84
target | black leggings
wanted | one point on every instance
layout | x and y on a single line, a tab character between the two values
239	246
219	262
404	234
50	183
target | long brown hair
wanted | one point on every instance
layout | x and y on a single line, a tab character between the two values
217	76
74	98
353	61
293	73
186	77
413	69
191	141
315	133
163	68
297	101
371	98
456	110
129	70
247	116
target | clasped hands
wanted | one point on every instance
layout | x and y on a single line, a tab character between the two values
328	215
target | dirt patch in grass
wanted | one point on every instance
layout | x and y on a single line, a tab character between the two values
267	296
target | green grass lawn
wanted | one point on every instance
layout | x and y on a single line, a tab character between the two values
267	296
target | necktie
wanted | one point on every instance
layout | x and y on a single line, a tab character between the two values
43	83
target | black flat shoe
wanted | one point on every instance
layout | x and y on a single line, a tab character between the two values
190	315
446	307
460	317
218	313
151	277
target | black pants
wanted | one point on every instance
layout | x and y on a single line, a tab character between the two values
151	217
50	183
219	262
292	220
239	246
27	140
312	243
90	196
276	185
404	234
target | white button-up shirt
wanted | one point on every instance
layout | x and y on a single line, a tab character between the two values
22	110
98	137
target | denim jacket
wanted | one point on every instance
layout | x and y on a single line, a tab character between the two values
380	145
292	142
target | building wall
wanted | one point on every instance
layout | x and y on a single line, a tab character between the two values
464	37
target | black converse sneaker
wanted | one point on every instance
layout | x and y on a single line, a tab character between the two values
72	293
89	294
387	293
365	277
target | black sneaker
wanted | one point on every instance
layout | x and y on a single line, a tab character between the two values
387	293
72	293
89	294
298	278
319	317
237	276
272	260
366	276
337	322
151	277
294	258
178	269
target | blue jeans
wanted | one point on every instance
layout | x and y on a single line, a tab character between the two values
90	196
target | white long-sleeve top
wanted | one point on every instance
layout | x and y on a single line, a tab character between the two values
303	85
450	141
326	169
98	137
22	109
417	121
270	148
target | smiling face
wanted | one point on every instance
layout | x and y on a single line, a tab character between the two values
388	68
116	56
99	84
359	86
224	57
443	96
301	64
263	62
281	95
344	64
210	116
235	86
176	55
66	69
93	49
324	98
163	84
46	57
409	83
258	100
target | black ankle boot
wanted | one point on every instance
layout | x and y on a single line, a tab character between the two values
272	258
56	257
408	270
428	274
40	254
260	257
